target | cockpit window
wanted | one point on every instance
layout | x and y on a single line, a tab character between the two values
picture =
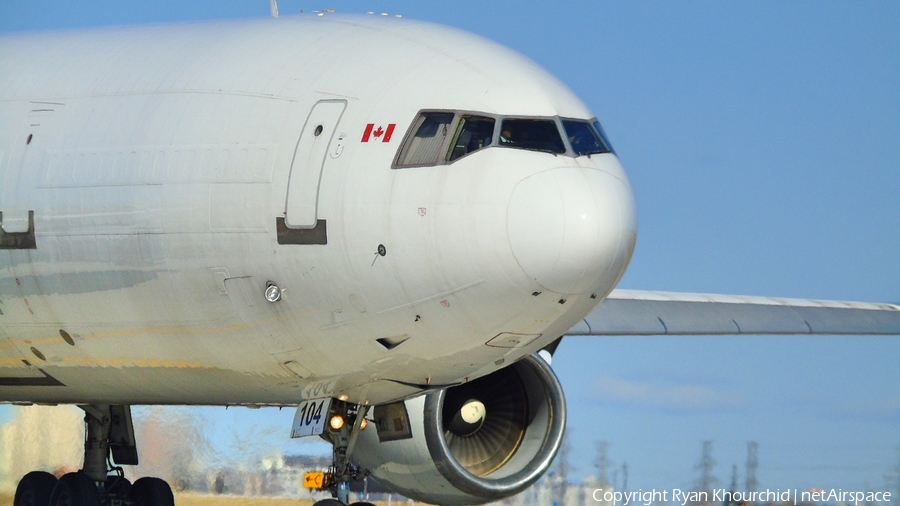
424	146
585	140
441	137
531	134
472	134
603	136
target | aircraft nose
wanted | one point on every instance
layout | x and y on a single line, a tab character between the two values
572	229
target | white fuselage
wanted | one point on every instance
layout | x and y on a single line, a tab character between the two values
157	160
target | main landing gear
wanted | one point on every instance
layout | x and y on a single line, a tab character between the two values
109	432
344	423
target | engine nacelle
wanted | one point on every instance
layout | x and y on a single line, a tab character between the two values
482	441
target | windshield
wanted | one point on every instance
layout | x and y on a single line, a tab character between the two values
584	138
472	134
531	134
442	137
599	128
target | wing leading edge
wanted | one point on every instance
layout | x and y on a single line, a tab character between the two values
637	312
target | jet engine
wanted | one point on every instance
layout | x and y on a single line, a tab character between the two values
481	441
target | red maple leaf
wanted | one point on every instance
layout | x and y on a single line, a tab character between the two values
378	132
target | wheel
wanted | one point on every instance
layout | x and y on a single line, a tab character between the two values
117	486
152	492
34	489
75	489
363	503
329	502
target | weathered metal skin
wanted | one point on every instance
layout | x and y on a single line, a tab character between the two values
152	196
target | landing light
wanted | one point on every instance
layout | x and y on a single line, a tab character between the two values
364	424
336	422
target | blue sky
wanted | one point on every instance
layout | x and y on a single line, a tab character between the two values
761	139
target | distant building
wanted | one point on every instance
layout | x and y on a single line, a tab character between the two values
39	438
275	475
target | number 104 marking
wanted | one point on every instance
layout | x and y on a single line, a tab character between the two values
309	420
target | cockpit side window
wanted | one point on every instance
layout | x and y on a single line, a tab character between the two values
599	128
472	134
583	138
425	145
531	134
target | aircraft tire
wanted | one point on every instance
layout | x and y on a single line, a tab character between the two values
34	489
75	489
152	492
118	486
329	502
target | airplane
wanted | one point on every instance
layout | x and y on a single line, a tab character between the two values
254	213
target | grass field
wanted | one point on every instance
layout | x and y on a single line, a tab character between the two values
186	499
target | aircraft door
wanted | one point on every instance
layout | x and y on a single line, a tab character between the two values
300	210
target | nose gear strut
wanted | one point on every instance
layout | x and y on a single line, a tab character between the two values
345	422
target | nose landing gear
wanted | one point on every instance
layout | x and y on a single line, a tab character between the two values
345	422
109	432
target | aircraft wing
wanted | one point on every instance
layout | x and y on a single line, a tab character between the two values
637	312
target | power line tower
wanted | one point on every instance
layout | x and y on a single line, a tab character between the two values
729	496
751	484
705	466
896	493
562	471
601	462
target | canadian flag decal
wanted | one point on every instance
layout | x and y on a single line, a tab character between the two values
374	133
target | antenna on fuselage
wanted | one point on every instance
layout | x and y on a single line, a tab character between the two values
273	8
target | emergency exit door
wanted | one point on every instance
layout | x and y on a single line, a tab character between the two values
301	206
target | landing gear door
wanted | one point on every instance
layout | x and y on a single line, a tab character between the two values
312	150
